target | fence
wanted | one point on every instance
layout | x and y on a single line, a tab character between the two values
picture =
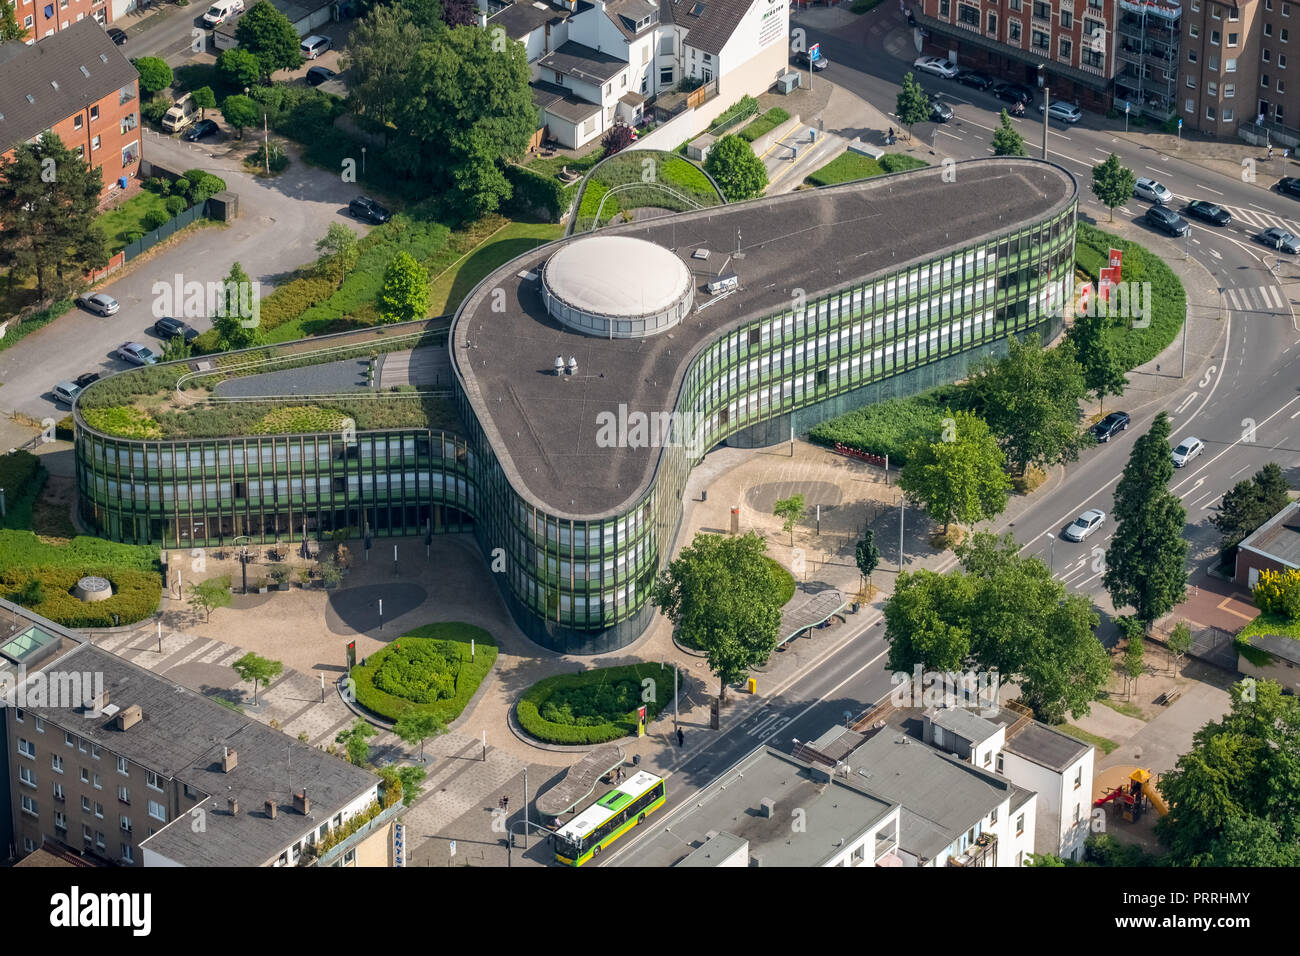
152	238
1213	645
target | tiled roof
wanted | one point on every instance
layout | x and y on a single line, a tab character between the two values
710	23
583	63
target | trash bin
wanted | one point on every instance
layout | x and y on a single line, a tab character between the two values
704	495
636	760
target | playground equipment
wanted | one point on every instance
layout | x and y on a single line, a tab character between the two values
1134	797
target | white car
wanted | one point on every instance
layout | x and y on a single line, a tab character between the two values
1063	112
936	66
313	46
137	354
1187	449
1153	191
101	303
1085	524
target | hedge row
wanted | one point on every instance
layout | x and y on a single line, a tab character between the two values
21	477
889	427
528	710
135	594
764	124
467	678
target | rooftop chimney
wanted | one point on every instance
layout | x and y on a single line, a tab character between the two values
301	802
232	804
270	809
767	806
128	718
229	760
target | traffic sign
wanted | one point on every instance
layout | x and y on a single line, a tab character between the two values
1127	106
1180	122
452	847
814	52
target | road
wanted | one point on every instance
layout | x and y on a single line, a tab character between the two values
169	33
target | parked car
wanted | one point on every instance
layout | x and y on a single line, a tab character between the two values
819	64
137	354
974	78
98	302
85	379
1153	191
1166	220
1014	93
1085	524
319	74
1208	212
182	113
221	11
1187	449
199	130
1279	239
314	45
936	66
169	328
1289	186
1109	426
367	210
65	393
116	35
940	112
1063	112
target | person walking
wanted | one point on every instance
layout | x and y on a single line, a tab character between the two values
1270	154
681	738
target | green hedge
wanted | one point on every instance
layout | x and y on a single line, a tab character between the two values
899	162
733	114
135	594
889	427
534	194
403	657
17	331
534	701
22	477
764	124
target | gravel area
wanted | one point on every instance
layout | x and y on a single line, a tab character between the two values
308	380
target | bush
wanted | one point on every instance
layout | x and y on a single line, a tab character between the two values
48	591
204	185
888	427
277	163
764	124
743	108
586	706
175	205
65	429
428	669
123	421
1278	592
156	108
158	184
898	162
534	194
154	218
182	187
132	235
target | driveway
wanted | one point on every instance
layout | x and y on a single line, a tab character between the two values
279	222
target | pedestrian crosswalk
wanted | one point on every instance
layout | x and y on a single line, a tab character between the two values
1261	220
1260	299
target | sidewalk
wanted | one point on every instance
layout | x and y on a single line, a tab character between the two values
1227	158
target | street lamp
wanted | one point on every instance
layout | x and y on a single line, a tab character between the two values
510	836
243	558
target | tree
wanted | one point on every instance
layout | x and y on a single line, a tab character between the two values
238	69
1030	400
176	348
1134	663
459	13
1066	667
913	103
207	596
155	74
1234	794
267	33
338	249
1103	372
789	510
866	554
1112	183
1248	505
236	327
258	669
1007	140
927	621
417	726
405	296
49	198
381	60
960	478
404	780
1146	561
717	594
354	741
1180	642
618	138
737	171
9	26
240	112
205	100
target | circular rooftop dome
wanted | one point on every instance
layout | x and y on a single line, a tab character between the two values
617	287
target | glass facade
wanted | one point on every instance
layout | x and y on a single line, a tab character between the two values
582	585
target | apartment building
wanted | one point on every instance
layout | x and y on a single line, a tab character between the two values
44	18
78	85
111	763
1065	45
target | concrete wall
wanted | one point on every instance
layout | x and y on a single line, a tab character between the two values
376	849
1284	672
765	142
1055	830
684	126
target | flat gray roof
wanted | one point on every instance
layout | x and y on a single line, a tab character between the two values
1286	648
715	850
962	721
543	429
1046	747
1279	537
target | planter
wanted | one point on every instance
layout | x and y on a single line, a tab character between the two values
283	586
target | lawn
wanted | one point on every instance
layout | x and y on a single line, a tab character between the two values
447	691
850	166
129	217
1274	624
516	238
1122	707
1104	744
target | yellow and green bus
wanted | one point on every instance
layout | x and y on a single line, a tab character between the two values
609	818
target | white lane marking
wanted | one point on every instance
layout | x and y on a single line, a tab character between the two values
949	135
1208	189
1229	447
1185	402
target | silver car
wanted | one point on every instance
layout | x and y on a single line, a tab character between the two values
1153	191
1279	239
137	354
1063	112
98	302
1085	524
936	66
1187	449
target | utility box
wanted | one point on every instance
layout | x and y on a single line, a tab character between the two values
787	83
753	685
224	206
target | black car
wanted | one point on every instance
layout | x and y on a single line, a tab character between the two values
1208	212
116	35
818	64
169	328
1109	426
1014	93
367	210
81	381
1166	220
1289	186
204	127
974	78
318	75
940	112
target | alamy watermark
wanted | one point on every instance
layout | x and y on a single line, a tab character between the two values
636	429
194	300
972	690
62	690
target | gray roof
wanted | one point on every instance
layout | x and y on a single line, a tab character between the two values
709	23
182	736
634	11
1287	648
963	722
715	850
1047	747
583	62
560	102
544	430
1278	537
522	18
30	71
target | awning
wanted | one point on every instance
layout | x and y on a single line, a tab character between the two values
580	781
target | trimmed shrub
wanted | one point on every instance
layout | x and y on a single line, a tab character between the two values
890	426
428	669
898	162
585	708
154	218
204	185
175	205
764	124
158	184
65	429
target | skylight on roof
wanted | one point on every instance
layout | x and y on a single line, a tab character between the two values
103	58
85	72
30	98
697	10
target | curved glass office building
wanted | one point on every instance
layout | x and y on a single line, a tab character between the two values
591	374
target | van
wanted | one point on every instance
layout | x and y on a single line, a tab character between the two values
182	114
221	11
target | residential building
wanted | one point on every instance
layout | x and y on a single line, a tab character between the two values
304	15
1065	45
78	85
44	18
1147	56
1273	546
119	766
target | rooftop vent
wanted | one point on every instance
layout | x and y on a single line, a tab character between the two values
129	717
229	759
726	283
54	83
767	807
30	98
700	254
84	72
559	365
98	702
232	806
302	802
270	809
573	365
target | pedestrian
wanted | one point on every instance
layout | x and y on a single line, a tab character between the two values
505	804
1270	154
681	738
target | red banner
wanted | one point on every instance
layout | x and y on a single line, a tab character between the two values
1116	261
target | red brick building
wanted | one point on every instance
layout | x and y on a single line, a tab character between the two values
1273	546
78	84
43	18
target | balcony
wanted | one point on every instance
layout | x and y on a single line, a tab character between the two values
983	852
335	853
